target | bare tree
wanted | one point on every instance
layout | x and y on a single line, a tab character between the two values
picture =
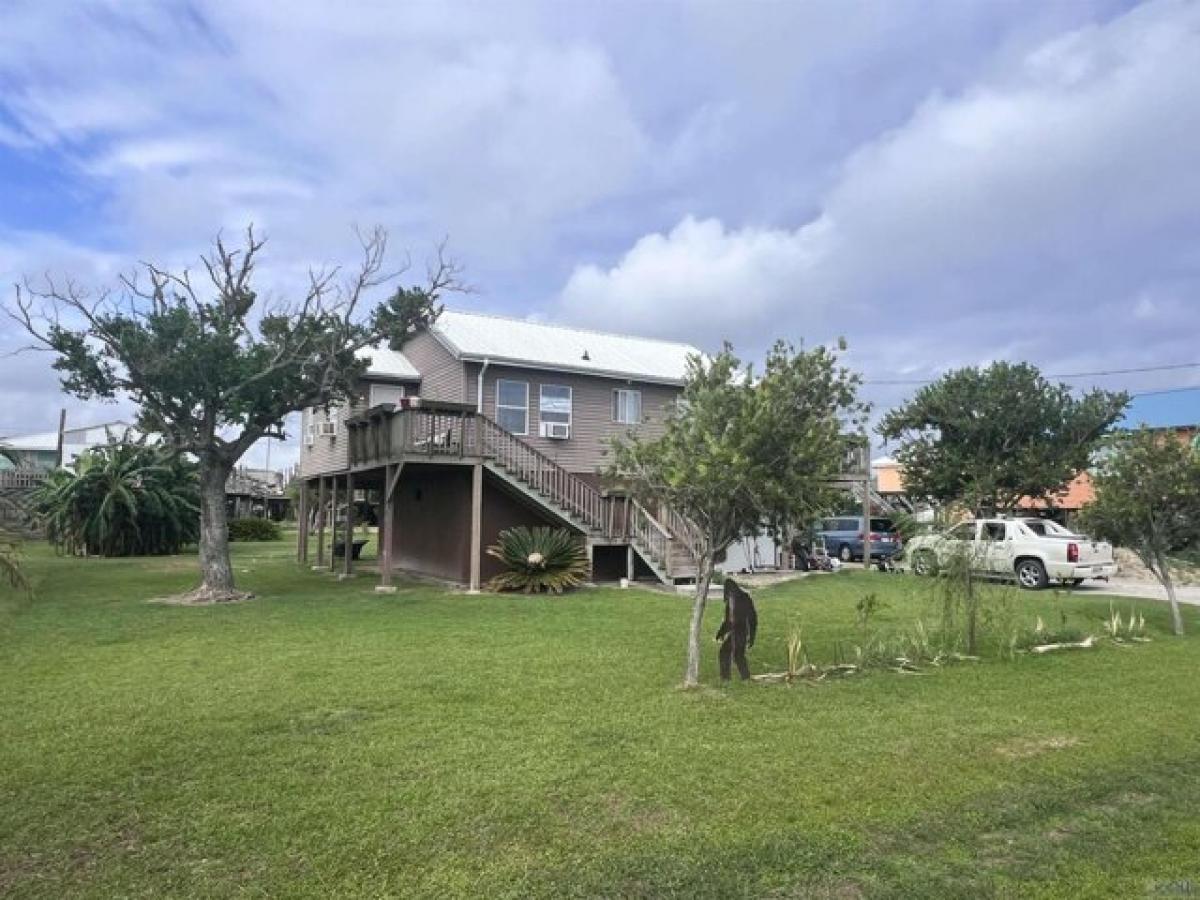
212	366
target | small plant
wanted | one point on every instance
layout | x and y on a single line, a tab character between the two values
539	560
1121	630
11	571
254	530
797	656
866	607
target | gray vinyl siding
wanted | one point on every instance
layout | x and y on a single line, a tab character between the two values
592	426
443	377
331	454
326	454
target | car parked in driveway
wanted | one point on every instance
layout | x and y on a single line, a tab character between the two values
1033	551
844	536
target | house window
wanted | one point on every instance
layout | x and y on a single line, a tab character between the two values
512	405
385	393
627	407
554	404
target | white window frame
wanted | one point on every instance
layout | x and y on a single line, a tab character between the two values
371	401
524	409
620	403
570	404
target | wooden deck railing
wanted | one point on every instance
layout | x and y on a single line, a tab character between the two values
11	479
386	434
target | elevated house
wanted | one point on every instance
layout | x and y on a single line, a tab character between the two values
257	493
483	423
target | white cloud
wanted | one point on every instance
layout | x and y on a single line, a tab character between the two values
1023	211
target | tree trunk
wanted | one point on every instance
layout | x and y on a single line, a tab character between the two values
216	571
1164	575
704	573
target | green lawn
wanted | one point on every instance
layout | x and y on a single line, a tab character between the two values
323	741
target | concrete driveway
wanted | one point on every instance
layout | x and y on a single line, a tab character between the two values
1151	590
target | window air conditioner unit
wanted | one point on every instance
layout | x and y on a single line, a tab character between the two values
558	431
328	429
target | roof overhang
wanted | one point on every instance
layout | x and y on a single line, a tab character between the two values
574	370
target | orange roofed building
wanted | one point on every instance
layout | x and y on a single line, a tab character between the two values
889	479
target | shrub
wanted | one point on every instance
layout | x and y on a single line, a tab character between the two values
254	530
10	562
539	560
126	498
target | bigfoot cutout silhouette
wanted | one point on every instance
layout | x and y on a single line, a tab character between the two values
737	631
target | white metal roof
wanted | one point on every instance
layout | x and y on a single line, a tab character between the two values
75	436
389	363
501	339
46	440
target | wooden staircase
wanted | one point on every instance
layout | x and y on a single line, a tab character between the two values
667	543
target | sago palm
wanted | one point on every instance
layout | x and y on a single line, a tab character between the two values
539	559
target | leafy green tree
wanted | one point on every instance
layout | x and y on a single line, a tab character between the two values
213	366
125	498
740	454
1148	500
988	437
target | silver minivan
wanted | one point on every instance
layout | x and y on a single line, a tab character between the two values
843	537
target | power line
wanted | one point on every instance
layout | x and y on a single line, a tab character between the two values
1171	368
1175	390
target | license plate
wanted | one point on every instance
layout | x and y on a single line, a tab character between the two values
1096	570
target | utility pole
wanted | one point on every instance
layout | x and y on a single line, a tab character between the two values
866	509
62	428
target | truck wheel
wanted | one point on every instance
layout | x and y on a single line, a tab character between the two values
1031	574
844	553
923	564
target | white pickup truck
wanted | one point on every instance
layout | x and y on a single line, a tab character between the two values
1034	551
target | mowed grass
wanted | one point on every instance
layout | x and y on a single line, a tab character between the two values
325	741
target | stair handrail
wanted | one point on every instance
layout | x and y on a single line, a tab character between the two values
544	474
683	530
654	538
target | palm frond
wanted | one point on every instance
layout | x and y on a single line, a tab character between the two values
539	560
123	499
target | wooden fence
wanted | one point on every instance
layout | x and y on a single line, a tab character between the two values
16	499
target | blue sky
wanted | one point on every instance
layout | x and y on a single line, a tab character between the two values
941	183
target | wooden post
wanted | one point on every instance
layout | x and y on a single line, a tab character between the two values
348	542
302	522
333	521
386	524
321	521
630	565
476	525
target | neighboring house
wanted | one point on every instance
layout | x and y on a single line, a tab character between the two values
889	479
258	493
39	452
485	422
